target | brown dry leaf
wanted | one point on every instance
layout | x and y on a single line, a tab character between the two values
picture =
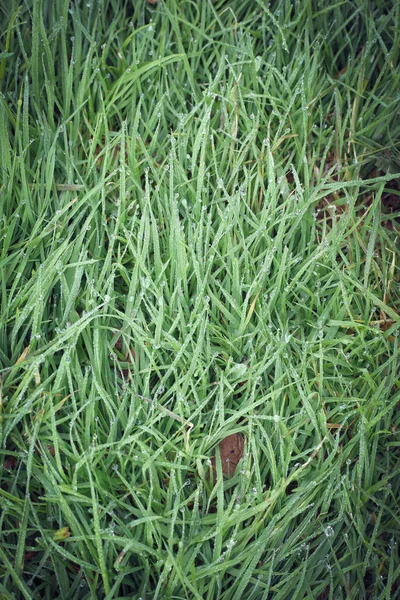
231	452
23	355
10	462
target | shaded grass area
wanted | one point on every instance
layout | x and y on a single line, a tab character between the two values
195	244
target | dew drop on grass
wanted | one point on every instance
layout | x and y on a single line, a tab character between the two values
329	532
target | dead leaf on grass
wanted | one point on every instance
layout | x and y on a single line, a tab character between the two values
10	462
23	355
231	452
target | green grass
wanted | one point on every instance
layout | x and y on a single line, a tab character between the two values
196	241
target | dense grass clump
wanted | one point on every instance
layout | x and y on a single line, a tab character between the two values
199	214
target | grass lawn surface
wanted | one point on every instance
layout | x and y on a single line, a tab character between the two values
200	299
